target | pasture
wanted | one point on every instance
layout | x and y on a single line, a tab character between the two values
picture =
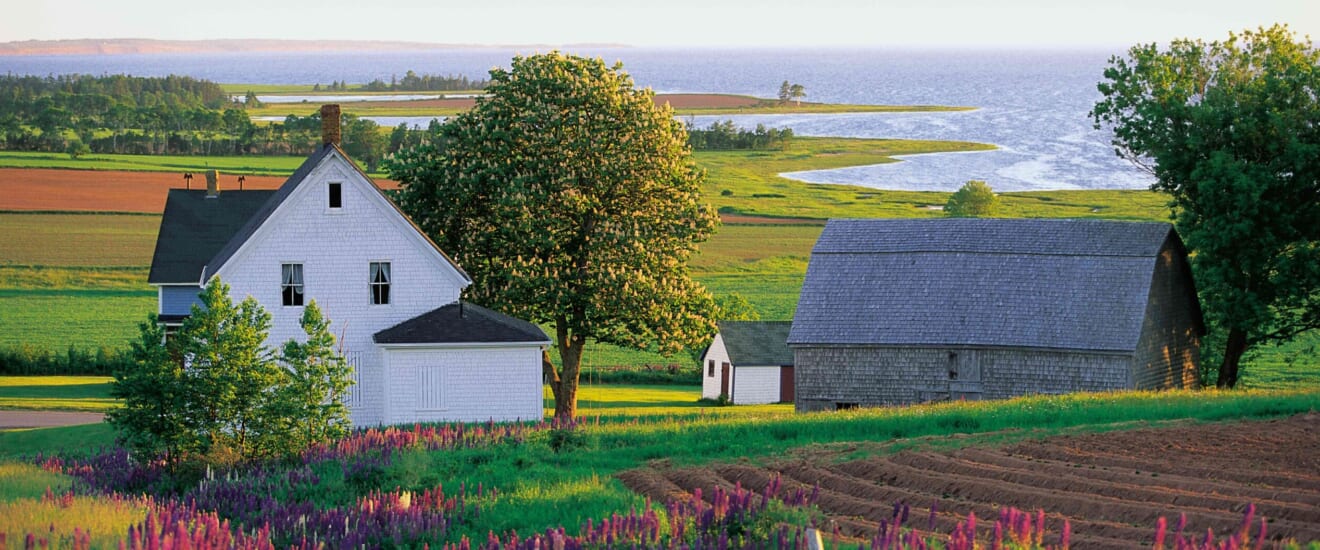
56	291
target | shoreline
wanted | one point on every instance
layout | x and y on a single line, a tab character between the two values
683	104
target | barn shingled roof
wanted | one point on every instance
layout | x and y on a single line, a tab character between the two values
757	343
1055	284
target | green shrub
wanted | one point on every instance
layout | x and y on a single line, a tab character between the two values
28	360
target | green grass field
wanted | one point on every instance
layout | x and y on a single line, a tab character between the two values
67	297
91	240
63	393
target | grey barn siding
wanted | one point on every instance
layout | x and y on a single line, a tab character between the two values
178	300
869	375
1170	337
905	311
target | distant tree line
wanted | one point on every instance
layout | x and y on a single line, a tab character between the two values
83	114
725	135
412	82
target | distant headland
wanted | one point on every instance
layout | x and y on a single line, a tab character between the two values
119	46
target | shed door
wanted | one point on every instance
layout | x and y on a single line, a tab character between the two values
786	384
724	379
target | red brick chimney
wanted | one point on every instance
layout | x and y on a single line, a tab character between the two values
330	124
212	184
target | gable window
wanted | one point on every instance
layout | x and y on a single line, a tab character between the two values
380	283
711	369
336	195
291	284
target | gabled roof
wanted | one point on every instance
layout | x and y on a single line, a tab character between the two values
462	323
198	235
195	228
286	189
757	343
1055	284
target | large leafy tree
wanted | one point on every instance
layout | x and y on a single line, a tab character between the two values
570	198
1231	130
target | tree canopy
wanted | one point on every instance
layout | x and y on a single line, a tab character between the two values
571	199
1229	129
973	200
213	392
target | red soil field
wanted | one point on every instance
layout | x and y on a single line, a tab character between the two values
109	191
1112	487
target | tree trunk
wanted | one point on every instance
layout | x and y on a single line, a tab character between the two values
1228	370
564	382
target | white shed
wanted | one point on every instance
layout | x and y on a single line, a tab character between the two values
749	362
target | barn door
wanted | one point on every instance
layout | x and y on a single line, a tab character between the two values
965	376
786	384
725	371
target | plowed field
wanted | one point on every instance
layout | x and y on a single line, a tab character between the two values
1112	487
108	190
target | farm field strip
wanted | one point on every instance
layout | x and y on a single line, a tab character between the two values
1112	487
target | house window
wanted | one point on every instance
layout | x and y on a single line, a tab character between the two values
336	195
291	284
380	283
710	369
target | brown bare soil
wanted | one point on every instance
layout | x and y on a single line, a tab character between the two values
107	191
1111	487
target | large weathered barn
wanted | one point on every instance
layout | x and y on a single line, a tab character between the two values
906	311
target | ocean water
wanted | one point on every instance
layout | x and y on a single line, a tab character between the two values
1031	104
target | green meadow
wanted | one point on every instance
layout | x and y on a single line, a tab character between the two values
79	279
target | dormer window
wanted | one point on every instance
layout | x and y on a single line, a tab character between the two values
336	195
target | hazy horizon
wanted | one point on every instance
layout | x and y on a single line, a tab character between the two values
1033	24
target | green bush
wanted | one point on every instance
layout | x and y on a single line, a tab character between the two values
664	375
27	360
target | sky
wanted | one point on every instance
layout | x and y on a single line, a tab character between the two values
672	23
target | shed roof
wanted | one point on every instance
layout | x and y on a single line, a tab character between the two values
1055	284
757	343
462	323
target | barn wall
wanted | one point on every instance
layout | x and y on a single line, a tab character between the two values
827	377
710	380
1169	350
755	385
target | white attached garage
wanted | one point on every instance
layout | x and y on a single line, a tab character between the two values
462	363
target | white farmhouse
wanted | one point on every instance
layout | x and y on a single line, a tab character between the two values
329	233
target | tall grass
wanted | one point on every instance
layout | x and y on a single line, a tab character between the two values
27	481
